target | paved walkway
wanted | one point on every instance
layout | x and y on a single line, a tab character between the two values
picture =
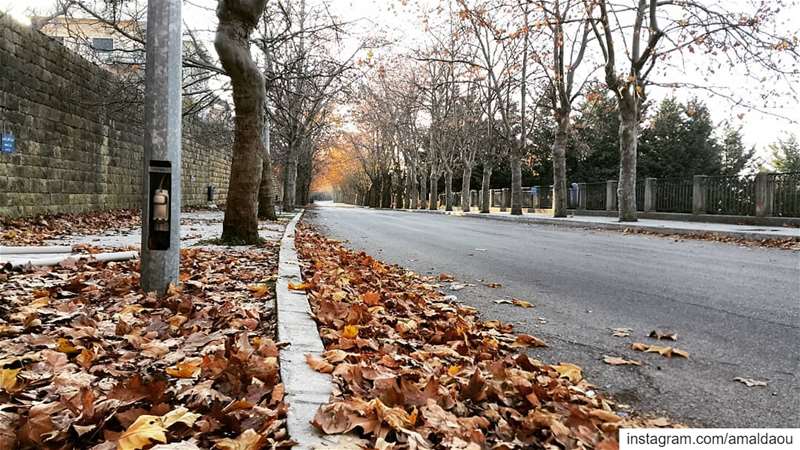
196	226
749	232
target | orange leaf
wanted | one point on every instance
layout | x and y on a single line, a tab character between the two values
318	364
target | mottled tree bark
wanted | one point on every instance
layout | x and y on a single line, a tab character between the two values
560	167
485	188
237	19
628	143
266	193
448	190
466	176
516	185
290	182
434	190
423	192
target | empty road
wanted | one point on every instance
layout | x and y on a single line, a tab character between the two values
735	309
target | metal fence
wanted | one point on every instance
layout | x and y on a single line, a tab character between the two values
734	195
674	195
766	194
785	194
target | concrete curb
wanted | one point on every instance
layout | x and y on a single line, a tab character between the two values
306	389
746	235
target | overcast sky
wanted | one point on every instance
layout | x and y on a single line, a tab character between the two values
402	24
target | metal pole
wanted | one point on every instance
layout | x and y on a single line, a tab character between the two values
160	250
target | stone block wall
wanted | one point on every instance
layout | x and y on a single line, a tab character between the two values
78	134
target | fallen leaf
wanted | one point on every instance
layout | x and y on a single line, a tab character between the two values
521	303
569	371
318	364
503	302
526	340
621	332
303	286
446	277
260	290
248	440
188	368
371	298
179	415
142	432
662	335
350	331
617	361
750	382
8	379
493	285
661	350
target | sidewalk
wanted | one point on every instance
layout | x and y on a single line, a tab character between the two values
196	227
746	232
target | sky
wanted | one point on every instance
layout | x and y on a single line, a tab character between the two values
400	22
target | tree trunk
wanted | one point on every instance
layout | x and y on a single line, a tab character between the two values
448	190
386	190
628	141
516	185
290	181
266	189
237	19
434	195
560	168
465	187
266	196
485	188
423	191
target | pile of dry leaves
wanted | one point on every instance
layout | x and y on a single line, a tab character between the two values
89	361
414	370
780	243
34	230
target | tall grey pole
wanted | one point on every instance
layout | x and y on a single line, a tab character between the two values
161	207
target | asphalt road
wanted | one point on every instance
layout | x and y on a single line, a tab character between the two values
736	310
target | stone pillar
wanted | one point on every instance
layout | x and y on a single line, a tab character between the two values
502	199
581	196
765	193
611	195
161	189
473	198
699	194
649	194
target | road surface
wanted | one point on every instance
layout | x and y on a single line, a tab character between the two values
736	310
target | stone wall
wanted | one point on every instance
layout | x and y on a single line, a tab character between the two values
78	134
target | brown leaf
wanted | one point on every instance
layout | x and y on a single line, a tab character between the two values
318	364
526	340
142	432
569	371
617	361
663	335
663	351
248	440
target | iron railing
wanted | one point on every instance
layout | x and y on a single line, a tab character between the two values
674	195
734	195
785	194
640	195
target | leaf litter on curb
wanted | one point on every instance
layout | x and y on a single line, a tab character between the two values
88	361
424	372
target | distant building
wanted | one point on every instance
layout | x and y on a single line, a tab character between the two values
97	41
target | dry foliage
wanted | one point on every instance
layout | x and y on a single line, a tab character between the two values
89	361
33	231
422	372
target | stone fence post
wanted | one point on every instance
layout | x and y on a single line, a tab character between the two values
581	196
649	194
611	195
502	200
699	194
765	193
